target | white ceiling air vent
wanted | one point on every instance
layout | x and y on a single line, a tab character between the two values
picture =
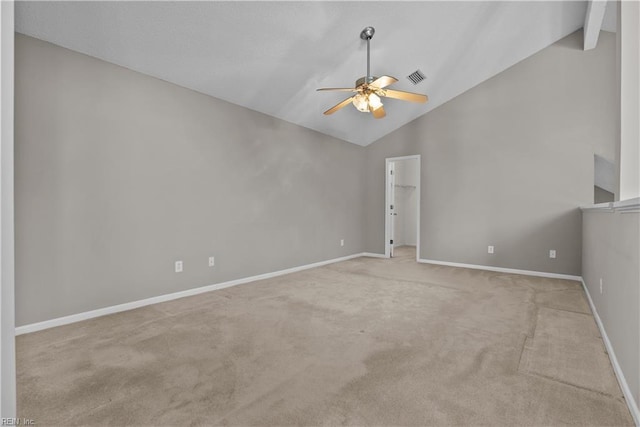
416	77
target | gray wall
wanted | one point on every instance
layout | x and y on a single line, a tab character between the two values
611	251
119	174
508	162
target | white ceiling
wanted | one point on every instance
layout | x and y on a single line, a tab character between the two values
271	56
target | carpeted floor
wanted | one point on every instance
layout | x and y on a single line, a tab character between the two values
361	342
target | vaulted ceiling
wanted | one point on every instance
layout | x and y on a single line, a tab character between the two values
271	56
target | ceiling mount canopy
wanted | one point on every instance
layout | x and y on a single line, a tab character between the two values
369	89
367	33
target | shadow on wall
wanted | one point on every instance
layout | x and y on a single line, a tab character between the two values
573	43
600	195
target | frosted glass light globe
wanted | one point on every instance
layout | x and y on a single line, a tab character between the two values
360	102
374	101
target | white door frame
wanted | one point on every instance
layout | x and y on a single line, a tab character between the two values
392	209
7	306
387	204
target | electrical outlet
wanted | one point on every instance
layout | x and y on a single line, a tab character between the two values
178	266
212	261
552	253
490	249
601	285
341	242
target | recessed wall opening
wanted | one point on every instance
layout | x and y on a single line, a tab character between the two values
604	173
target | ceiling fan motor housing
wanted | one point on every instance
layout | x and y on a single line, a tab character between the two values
366	79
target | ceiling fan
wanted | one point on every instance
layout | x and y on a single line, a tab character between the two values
369	89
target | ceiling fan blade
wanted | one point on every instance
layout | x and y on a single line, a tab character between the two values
382	82
405	96
338	106
379	112
338	89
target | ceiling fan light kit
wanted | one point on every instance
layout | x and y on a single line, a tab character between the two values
369	89
367	103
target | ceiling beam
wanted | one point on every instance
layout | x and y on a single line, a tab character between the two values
593	22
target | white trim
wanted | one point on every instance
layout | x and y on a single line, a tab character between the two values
503	270
418	202
372	255
7	232
593	23
395	159
628	397
622	205
33	327
387	209
387	245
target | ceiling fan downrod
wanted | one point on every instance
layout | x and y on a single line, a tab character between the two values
367	34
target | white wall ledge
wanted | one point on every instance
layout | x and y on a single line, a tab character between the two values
629	205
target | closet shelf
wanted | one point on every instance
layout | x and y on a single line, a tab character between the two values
404	186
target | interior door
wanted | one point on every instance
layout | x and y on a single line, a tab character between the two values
392	206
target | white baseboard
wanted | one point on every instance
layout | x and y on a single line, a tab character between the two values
628	397
33	327
503	270
372	255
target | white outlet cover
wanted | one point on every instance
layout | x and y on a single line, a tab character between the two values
178	266
212	261
342	242
552	253
490	249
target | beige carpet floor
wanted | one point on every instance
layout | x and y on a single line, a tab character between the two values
361	342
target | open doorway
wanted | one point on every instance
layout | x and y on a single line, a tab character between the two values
402	207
